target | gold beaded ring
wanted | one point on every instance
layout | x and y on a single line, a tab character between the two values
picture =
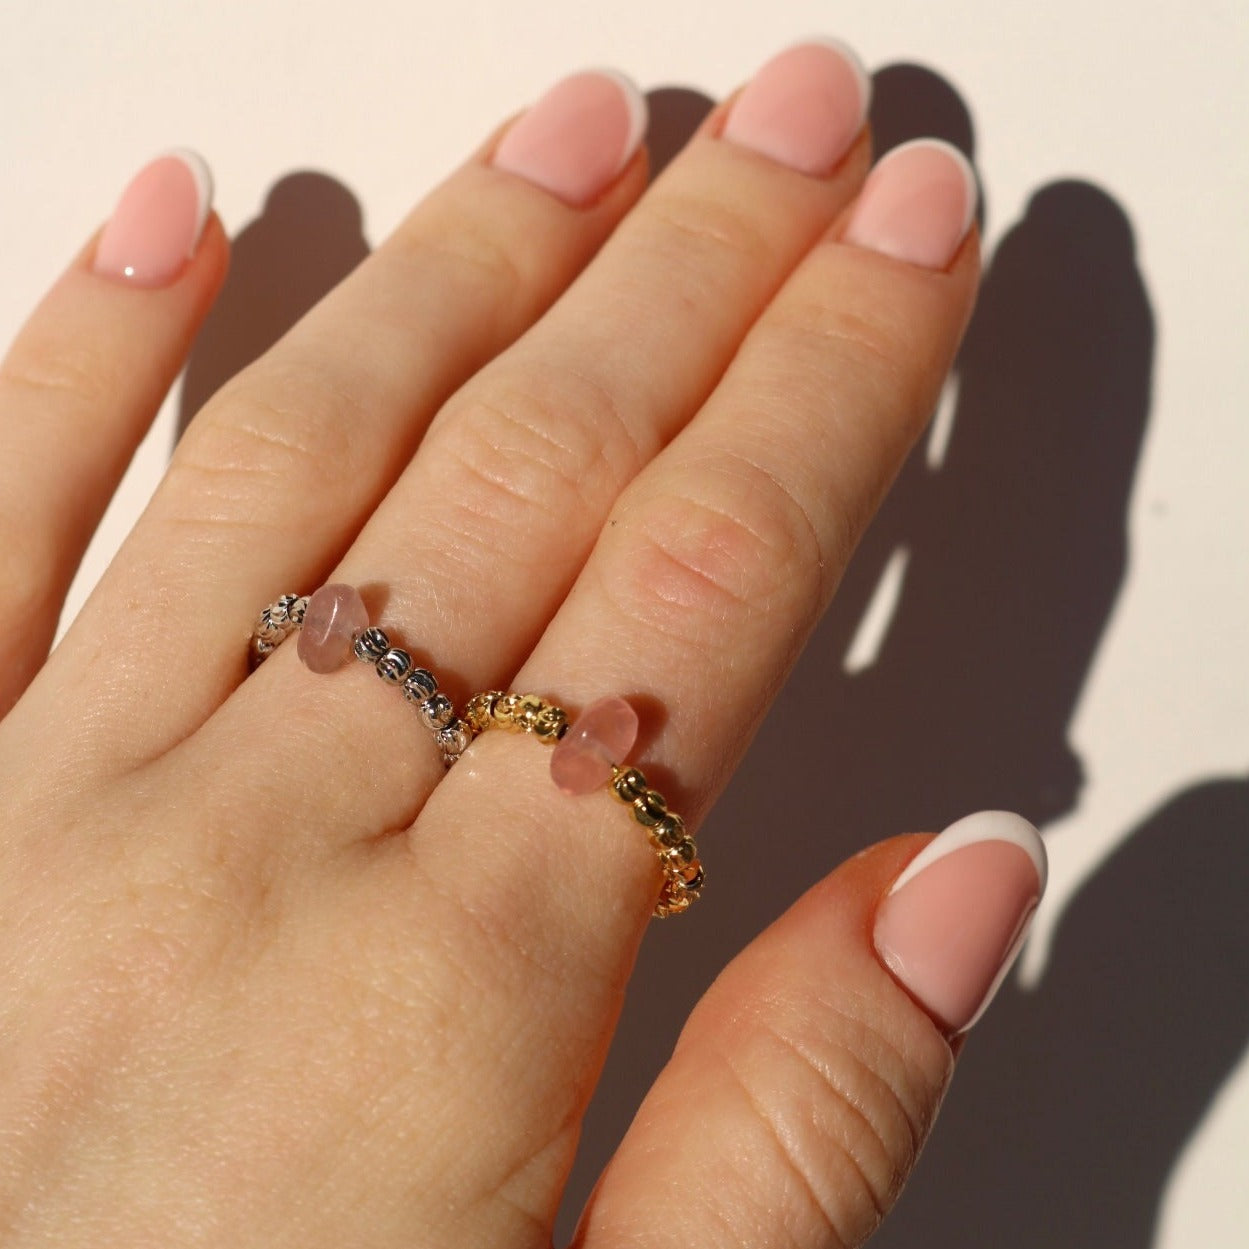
583	761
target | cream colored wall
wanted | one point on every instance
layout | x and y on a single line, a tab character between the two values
1145	102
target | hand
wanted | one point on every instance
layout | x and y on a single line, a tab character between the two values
271	976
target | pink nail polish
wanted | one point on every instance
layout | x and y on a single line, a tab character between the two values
954	921
577	137
917	204
158	221
804	107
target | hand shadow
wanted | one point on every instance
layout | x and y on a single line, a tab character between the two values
308	237
1012	524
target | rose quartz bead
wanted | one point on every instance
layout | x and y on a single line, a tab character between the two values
335	614
602	735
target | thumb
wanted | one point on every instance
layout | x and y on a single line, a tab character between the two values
807	1078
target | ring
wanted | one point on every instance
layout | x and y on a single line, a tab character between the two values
334	626
586	756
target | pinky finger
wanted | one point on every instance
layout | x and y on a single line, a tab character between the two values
808	1077
84	380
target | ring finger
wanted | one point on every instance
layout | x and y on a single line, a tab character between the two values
721	558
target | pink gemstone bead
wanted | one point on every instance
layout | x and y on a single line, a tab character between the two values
335	614
602	735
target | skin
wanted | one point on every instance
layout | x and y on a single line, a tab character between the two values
289	985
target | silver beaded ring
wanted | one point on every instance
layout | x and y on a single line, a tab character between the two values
341	605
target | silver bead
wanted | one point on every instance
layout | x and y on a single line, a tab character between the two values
371	645
279	613
436	712
394	665
453	740
420	685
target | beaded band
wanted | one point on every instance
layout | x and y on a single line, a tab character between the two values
281	618
371	645
677	853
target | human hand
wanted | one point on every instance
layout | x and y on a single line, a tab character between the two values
270	976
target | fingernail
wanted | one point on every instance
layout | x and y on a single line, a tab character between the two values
804	107
917	204
158	221
954	921
577	137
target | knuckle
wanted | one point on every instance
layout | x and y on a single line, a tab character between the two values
527	454
477	257
255	438
699	231
734	545
77	376
884	359
871	346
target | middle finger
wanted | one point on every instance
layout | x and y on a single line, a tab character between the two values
492	521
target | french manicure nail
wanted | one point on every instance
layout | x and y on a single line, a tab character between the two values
804	107
917	204
954	920
157	223
577	137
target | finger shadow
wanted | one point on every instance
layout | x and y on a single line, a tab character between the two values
1005	540
674	114
308	237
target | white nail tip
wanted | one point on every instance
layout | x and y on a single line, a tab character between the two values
639	113
202	176
982	826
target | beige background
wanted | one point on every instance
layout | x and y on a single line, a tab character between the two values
1060	617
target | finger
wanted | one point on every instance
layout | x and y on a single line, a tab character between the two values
82	383
808	1078
498	511
277	474
536	901
720	557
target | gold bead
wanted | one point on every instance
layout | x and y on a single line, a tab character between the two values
550	724
682	854
669	830
628	784
504	710
650	808
528	710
